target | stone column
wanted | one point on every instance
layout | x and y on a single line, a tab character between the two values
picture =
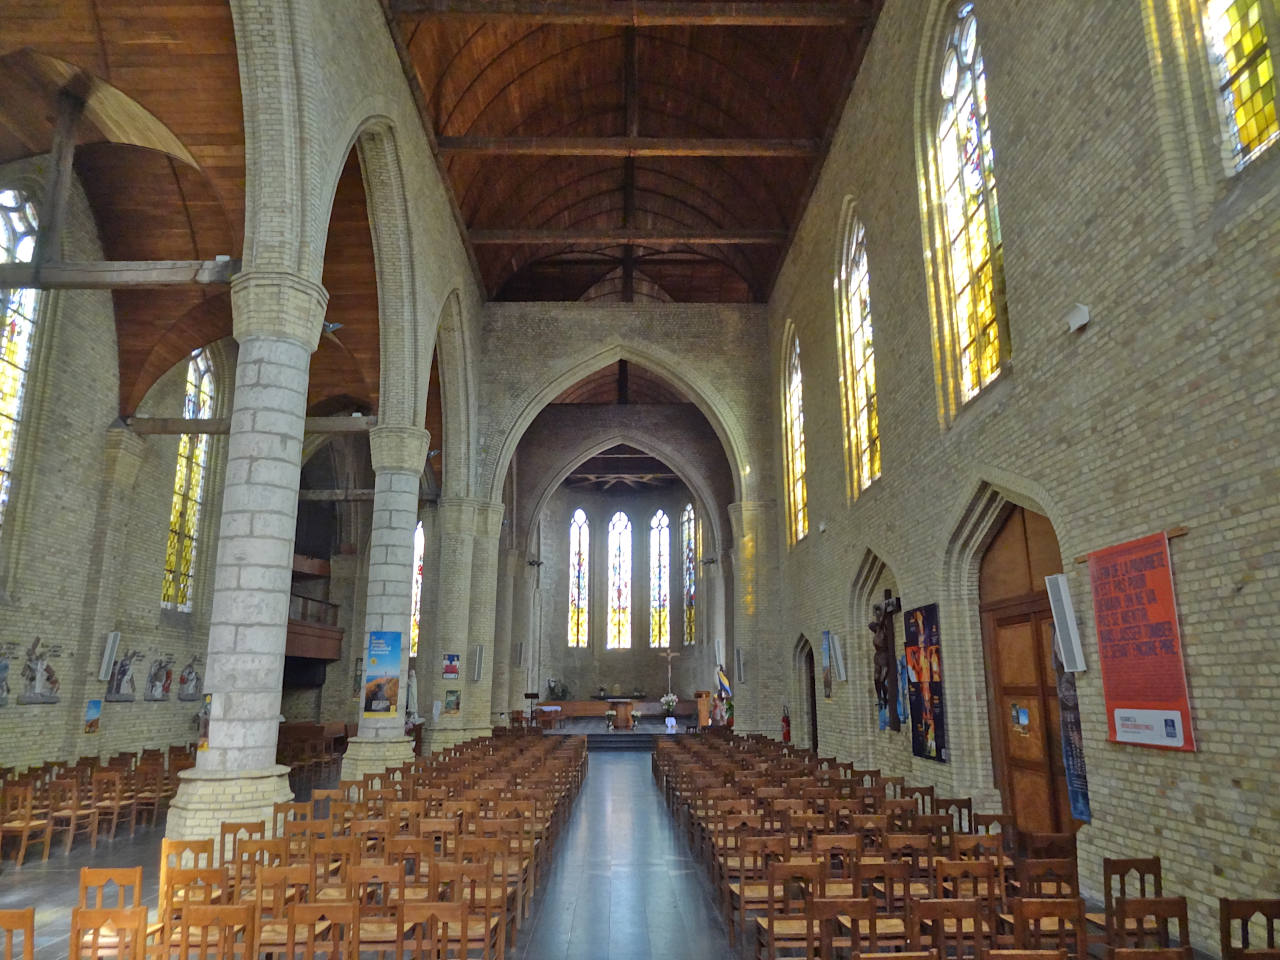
456	520
399	454
477	697
500	701
336	700
522	632
757	703
277	323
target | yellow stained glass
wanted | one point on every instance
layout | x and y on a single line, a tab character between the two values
188	487
857	361
793	425
579	578
689	537
966	176
660	580
619	633
415	618
17	244
1247	85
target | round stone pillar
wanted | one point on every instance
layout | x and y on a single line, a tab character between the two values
236	777
399	454
757	703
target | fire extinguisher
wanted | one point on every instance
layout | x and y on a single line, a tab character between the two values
786	724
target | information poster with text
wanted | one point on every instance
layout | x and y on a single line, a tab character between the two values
1144	680
382	673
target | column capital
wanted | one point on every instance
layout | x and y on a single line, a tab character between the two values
489	518
275	304
748	513
399	448
124	452
471	515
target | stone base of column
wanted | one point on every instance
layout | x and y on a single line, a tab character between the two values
365	755
207	799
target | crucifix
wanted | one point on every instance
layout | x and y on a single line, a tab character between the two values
670	655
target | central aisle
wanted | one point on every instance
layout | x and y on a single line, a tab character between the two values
622	883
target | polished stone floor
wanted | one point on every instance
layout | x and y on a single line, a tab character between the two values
622	884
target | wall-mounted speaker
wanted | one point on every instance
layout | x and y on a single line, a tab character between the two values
740	666
109	655
477	662
1066	633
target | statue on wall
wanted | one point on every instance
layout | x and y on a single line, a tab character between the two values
121	687
189	682
159	679
40	680
4	681
886	673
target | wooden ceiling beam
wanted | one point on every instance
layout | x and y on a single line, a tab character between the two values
614	238
115	274
646	13
222	425
630	147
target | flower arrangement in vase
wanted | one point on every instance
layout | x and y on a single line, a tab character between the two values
669	701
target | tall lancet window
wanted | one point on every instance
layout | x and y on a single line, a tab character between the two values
619	635
579	573
415	624
967	180
857	360
18	314
660	580
689	540
1247	83
188	488
793	429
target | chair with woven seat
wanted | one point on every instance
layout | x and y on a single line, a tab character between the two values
22	820
111	800
212	932
103	888
276	889
120	933
840	924
1126	877
1149	923
1052	923
957	929
746	886
1235	918
435	929
18	934
150	793
70	814
791	888
320	930
472	884
231	833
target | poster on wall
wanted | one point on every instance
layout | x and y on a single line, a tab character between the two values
1144	681
923	652
452	702
382	673
92	716
826	664
1072	741
452	666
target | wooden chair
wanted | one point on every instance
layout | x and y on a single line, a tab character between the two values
120	934
330	860
281	812
1048	878
472	884
1055	923
150	793
1235	918
231	833
746	885
970	880
828	918
321	930
212	932
110	800
184	855
1003	954
1152	953
435	929
956	929
68	813
22	820
251	856
17	934
98	883
791	888
1127	877
1149	923
959	809
1048	846
276	889
888	884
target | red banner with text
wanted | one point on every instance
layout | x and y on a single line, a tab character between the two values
1144	680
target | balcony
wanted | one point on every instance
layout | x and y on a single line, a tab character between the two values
313	629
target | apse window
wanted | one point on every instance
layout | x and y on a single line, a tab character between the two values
689	537
1239	33
857	359
17	245
188	488
415	621
660	581
618	636
793	430
973	342
579	570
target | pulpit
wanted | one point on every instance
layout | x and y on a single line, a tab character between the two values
704	707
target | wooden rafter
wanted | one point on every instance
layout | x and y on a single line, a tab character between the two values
630	146
645	13
115	274
613	238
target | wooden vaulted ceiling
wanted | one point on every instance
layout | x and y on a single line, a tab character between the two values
629	149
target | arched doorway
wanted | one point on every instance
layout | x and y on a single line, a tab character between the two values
805	715
1017	635
810	690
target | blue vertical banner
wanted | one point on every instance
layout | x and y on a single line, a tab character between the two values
382	673
1072	742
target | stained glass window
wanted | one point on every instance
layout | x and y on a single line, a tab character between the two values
793	427
660	580
966	172
857	361
579	568
1239	46
689	538
188	486
619	635
415	623
17	245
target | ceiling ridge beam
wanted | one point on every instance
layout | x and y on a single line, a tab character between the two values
647	13
616	237
115	274
632	147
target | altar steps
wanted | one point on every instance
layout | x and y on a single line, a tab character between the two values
602	742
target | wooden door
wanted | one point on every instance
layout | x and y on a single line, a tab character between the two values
812	694
1022	689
